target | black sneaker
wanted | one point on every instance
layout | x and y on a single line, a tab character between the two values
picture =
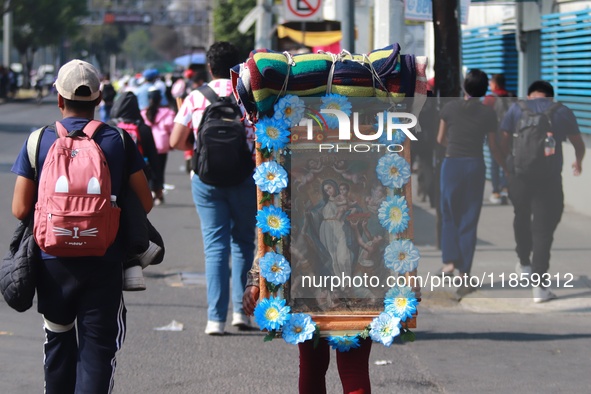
464	290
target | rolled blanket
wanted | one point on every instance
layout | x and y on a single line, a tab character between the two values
266	75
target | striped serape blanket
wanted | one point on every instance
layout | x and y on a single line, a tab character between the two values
267	75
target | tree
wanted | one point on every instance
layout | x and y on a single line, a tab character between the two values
101	41
227	15
166	41
40	23
5	6
138	50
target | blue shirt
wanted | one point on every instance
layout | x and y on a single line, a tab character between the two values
564	123
112	146
143	90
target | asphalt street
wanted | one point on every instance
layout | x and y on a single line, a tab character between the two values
495	340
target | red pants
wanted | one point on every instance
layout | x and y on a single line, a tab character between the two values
353	367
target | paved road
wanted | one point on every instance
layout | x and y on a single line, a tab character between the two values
494	341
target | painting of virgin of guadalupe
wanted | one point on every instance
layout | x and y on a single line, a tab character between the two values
336	234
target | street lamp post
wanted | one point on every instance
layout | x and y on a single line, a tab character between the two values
7	35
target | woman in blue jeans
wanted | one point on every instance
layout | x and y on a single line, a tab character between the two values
228	223
464	125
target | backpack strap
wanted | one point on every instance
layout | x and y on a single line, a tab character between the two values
550	111
60	130
33	144
34	141
209	93
89	129
92	127
523	106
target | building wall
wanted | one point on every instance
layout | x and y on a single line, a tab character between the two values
577	190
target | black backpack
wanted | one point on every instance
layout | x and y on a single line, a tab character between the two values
527	154
222	156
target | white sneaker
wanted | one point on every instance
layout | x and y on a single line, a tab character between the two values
215	327
495	198
542	295
241	321
133	279
522	269
152	255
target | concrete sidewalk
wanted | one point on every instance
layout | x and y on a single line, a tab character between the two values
495	261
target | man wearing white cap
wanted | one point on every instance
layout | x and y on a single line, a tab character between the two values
80	298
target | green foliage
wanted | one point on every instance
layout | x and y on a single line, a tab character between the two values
5	6
266	152
273	288
271	335
365	333
270	240
407	335
100	41
138	49
166	41
266	198
227	15
39	23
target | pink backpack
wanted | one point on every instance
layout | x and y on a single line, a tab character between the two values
134	131
74	214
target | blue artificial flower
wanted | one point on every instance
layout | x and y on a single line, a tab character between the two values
299	328
270	177
398	135
274	221
274	268
402	256
343	343
290	109
272	133
335	101
393	214
401	302
393	171
271	313
384	328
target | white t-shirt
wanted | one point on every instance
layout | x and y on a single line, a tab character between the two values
191	111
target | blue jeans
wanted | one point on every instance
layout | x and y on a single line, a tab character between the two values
228	223
105	112
462	189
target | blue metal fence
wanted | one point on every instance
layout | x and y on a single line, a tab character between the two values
566	61
491	49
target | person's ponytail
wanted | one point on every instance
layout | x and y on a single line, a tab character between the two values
154	97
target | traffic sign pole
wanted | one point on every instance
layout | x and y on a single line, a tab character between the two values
302	10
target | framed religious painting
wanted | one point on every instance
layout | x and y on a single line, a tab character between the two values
336	248
335	230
